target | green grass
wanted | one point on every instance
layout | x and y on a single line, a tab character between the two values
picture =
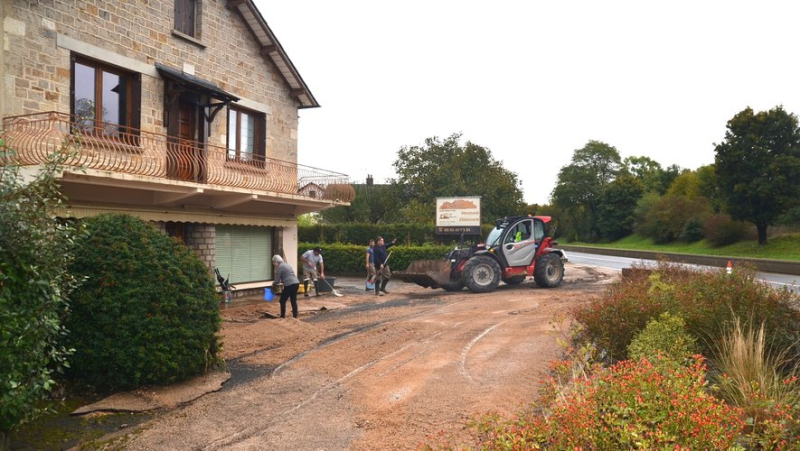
784	247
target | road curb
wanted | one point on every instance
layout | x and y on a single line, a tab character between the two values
761	264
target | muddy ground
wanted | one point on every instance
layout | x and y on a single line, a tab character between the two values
362	372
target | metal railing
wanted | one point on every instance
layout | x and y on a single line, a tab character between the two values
110	147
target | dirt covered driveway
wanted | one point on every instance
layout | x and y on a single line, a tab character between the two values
362	372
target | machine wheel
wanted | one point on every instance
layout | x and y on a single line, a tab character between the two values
515	280
481	274
549	271
453	286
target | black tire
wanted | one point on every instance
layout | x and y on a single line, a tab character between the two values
515	280
481	274
549	271
453	286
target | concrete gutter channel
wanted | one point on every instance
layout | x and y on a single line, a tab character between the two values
761	264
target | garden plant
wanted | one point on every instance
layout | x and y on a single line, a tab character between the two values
148	311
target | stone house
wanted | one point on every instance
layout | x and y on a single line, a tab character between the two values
181	112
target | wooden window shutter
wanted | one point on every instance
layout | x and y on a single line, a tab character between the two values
261	148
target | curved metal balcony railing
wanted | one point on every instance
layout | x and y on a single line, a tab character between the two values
110	147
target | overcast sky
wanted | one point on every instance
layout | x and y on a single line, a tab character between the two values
532	81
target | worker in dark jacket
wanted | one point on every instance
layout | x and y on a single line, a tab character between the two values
288	283
381	256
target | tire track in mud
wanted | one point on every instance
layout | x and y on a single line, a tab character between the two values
321	383
462	361
359	332
248	433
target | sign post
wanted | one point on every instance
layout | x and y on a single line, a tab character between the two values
458	216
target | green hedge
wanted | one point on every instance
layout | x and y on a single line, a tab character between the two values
147	312
407	234
348	259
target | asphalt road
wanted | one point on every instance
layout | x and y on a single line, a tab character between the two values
617	263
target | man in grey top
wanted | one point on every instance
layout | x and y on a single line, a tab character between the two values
312	259
285	278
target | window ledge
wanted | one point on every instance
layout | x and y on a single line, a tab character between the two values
188	38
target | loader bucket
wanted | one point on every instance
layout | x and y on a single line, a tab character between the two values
425	273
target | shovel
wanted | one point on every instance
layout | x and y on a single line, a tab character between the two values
335	293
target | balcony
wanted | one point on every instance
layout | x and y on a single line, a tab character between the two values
126	151
149	170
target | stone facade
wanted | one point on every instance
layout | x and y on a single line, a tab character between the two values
232	49
201	238
39	37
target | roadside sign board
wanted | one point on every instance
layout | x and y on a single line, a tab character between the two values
457	215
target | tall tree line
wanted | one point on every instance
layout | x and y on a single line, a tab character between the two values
755	179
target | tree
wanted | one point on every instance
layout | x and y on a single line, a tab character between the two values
35	252
758	167
373	204
444	168
617	205
648	171
686	184
580	183
707	186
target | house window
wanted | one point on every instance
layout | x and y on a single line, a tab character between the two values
246	135
105	100
186	17
176	230
243	253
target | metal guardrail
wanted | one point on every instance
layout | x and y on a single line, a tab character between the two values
111	147
761	264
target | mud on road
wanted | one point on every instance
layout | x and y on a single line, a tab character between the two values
362	372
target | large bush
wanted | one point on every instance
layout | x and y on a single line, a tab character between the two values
707	300
35	251
666	219
720	230
147	313
665	337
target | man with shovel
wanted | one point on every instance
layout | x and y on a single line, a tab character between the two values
381	257
312	259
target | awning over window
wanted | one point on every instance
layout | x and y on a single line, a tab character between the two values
175	216
195	84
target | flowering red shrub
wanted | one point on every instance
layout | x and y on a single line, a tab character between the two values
633	404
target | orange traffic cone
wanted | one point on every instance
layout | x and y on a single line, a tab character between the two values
730	267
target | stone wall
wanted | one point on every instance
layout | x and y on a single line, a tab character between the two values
39	36
201	238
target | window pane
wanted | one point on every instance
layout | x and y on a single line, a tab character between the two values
232	134
84	102
113	90
248	135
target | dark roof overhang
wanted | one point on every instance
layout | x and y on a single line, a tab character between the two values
273	51
196	84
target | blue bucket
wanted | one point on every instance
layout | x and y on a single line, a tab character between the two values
268	294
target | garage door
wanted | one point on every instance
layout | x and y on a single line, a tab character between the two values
244	253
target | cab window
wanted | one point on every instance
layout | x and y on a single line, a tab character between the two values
538	230
520	232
